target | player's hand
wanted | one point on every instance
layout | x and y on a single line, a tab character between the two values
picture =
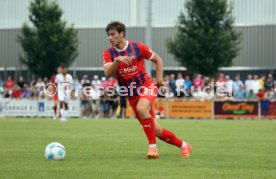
160	84
125	59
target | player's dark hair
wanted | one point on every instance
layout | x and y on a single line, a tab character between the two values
63	66
118	26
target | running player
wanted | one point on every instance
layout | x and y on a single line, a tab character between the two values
125	59
64	83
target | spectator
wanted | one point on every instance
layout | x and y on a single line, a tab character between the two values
16	92
85	82
251	95
187	83
6	93
9	84
34	93
262	81
95	103
256	84
229	85
221	84
269	82
123	106
113	99
103	82
172	84
179	83
41	93
21	82
77	85
198	82
96	82
104	104
240	94
27	91
261	94
237	83
248	83
1	86
40	83
45	80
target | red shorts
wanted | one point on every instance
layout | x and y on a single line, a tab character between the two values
146	92
55	98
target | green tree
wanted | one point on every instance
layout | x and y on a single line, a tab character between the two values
206	38
48	43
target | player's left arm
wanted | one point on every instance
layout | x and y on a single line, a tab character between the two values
147	53
159	69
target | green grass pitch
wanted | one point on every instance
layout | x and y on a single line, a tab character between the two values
116	149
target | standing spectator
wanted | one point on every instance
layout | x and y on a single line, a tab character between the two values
21	82
77	85
237	83
40	83
35	93
188	83
172	84
113	99
45	80
123	106
1	86
221	84
248	83
95	103
85	82
256	84
240	94
9	84
103	82
96	82
198	82
269	82
16	92
262	81
179	83
229	85
27	91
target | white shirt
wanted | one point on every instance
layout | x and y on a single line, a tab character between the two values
179	83
64	83
229	86
256	86
248	85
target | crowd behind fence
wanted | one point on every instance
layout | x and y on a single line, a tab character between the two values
256	87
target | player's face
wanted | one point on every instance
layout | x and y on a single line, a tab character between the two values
64	70
114	37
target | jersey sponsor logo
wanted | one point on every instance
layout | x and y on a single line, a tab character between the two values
127	69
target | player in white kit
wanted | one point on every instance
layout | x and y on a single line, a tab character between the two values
64	83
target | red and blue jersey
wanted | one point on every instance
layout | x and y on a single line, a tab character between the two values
135	72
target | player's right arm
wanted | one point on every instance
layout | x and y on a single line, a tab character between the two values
110	66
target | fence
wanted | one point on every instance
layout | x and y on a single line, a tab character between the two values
212	109
34	108
164	108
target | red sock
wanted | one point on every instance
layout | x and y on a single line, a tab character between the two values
149	129
169	137
55	110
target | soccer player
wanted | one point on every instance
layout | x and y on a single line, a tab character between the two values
125	59
55	97
64	83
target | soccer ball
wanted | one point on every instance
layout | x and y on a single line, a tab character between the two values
55	151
